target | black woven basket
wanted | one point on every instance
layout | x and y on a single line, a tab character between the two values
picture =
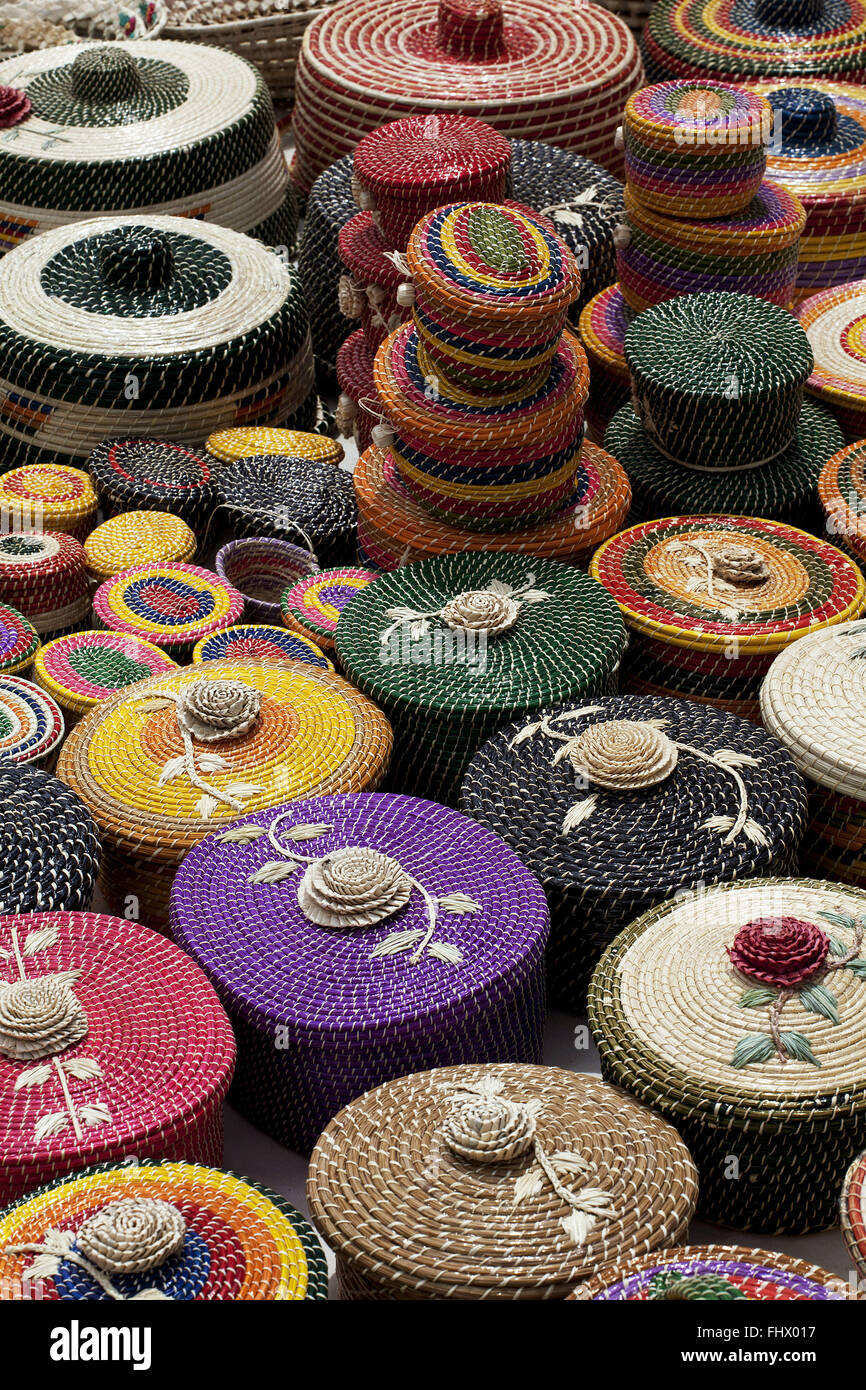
329	207
294	499
154	475
49	849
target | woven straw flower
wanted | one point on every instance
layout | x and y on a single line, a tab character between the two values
481	611
14	106
741	565
211	710
353	888
132	1235
39	1018
782	951
489	1129
622	754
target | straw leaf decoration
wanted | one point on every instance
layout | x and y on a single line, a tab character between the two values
206	806
241	834
755	1047
395	943
444	950
82	1068
578	1226
756	998
40	941
819	1000
529	1184
274	871
797	1046
34	1076
458	903
50	1125
839	919
307	832
175	767
837	947
578	813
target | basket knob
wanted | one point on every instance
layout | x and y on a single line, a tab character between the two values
105	74
136	258
808	117
472	29
788	14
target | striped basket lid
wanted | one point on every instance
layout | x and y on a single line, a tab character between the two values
49	849
822	153
759	38
31	722
261	568
812	700
154	475
137	538
172	604
835	324
19	641
602	327
175	1231
701	581
166	761
295	499
252	440
721	1273
485	1221
111	1040
853	1211
842	490
314	605
84	668
771	222
47	497
259	642
42	573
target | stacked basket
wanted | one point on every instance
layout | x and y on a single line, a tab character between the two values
42	574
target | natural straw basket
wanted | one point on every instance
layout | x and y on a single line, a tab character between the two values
446	966
302	731
154	475
313	606
411	1218
84	668
173	605
835	324
158	1049
639	810
298	500
138	19
766	1088
44	497
49	850
42	573
252	440
261	568
19	642
717	1272
259	642
31	724
240	1240
137	538
853	1208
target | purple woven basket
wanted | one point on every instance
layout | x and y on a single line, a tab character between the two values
323	1013
262	568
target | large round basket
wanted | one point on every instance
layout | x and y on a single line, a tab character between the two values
835	324
720	1273
42	573
82	669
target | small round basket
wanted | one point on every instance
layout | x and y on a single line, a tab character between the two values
842	490
44	497
19	642
153	475
172	605
358	406
720	1273
261	568
83	669
853	1210
602	328
49	844
31	724
330	204
252	440
43	575
313	606
137	538
259	642
292	499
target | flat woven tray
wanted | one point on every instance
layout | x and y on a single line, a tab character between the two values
84	668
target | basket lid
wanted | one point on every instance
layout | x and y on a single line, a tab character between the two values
316	602
308	502
252	440
31	560
49	849
138	537
174	603
772	221
83	668
43	493
259	642
420	155
835	324
853	1205
687	118
719	1272
19	640
31	724
603	324
821	154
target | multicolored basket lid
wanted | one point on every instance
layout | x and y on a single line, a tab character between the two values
835	324
259	642
153	475
111	1040
842	490
82	669
252	440
853	1210
137	538
19	641
168	1231
172	604
49	848
31	723
145	325
739	1012
261	568
620	802
602	329
555	75
42	573
46	497
295	499
720	1273
755	38
374	935
313	606
696	149
542	1176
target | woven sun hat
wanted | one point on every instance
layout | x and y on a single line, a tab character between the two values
154	475
166	1230
842	490
717	379
619	802
835	324
47	497
711	600
172	605
812	700
137	538
511	1182
313	606
762	38
602	328
453	647
228	445
719	1273
696	149
112	1042
42	574
84	668
19	642
751	252
369	292
739	1010
49	849
259	642
358	408
330	204
310	504
393	530
167	761
853	1209
163	327
357	938
559	75
784	489
261	568
31	724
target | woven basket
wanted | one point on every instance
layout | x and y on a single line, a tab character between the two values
834	322
42	574
307	503
249	442
446	689
369	292
140	19
445	966
639	810
134	127
172	605
133	1053
237	1239
330	204
153	475
49	850
811	700
83	669
19	642
137	538
358	406
853	1210
259	642
313	606
303	731
711	600
766	1089
471	1229
261	568
842	490
602	328
43	497
721	1273
31	724
146	326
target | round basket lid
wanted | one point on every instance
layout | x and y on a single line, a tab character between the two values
31	724
365	252
174	604
314	605
842	489
137	538
722	1273
223	1238
822	156
151	473
414	158
701	1007
259	734
835	324
812	700
713	120
548	632
19	640
252	440
487	1229
633	797
47	497
853	1207
259	642
49	850
772	222
699	581
603	325
129	1021
42	572
84	668
290	498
